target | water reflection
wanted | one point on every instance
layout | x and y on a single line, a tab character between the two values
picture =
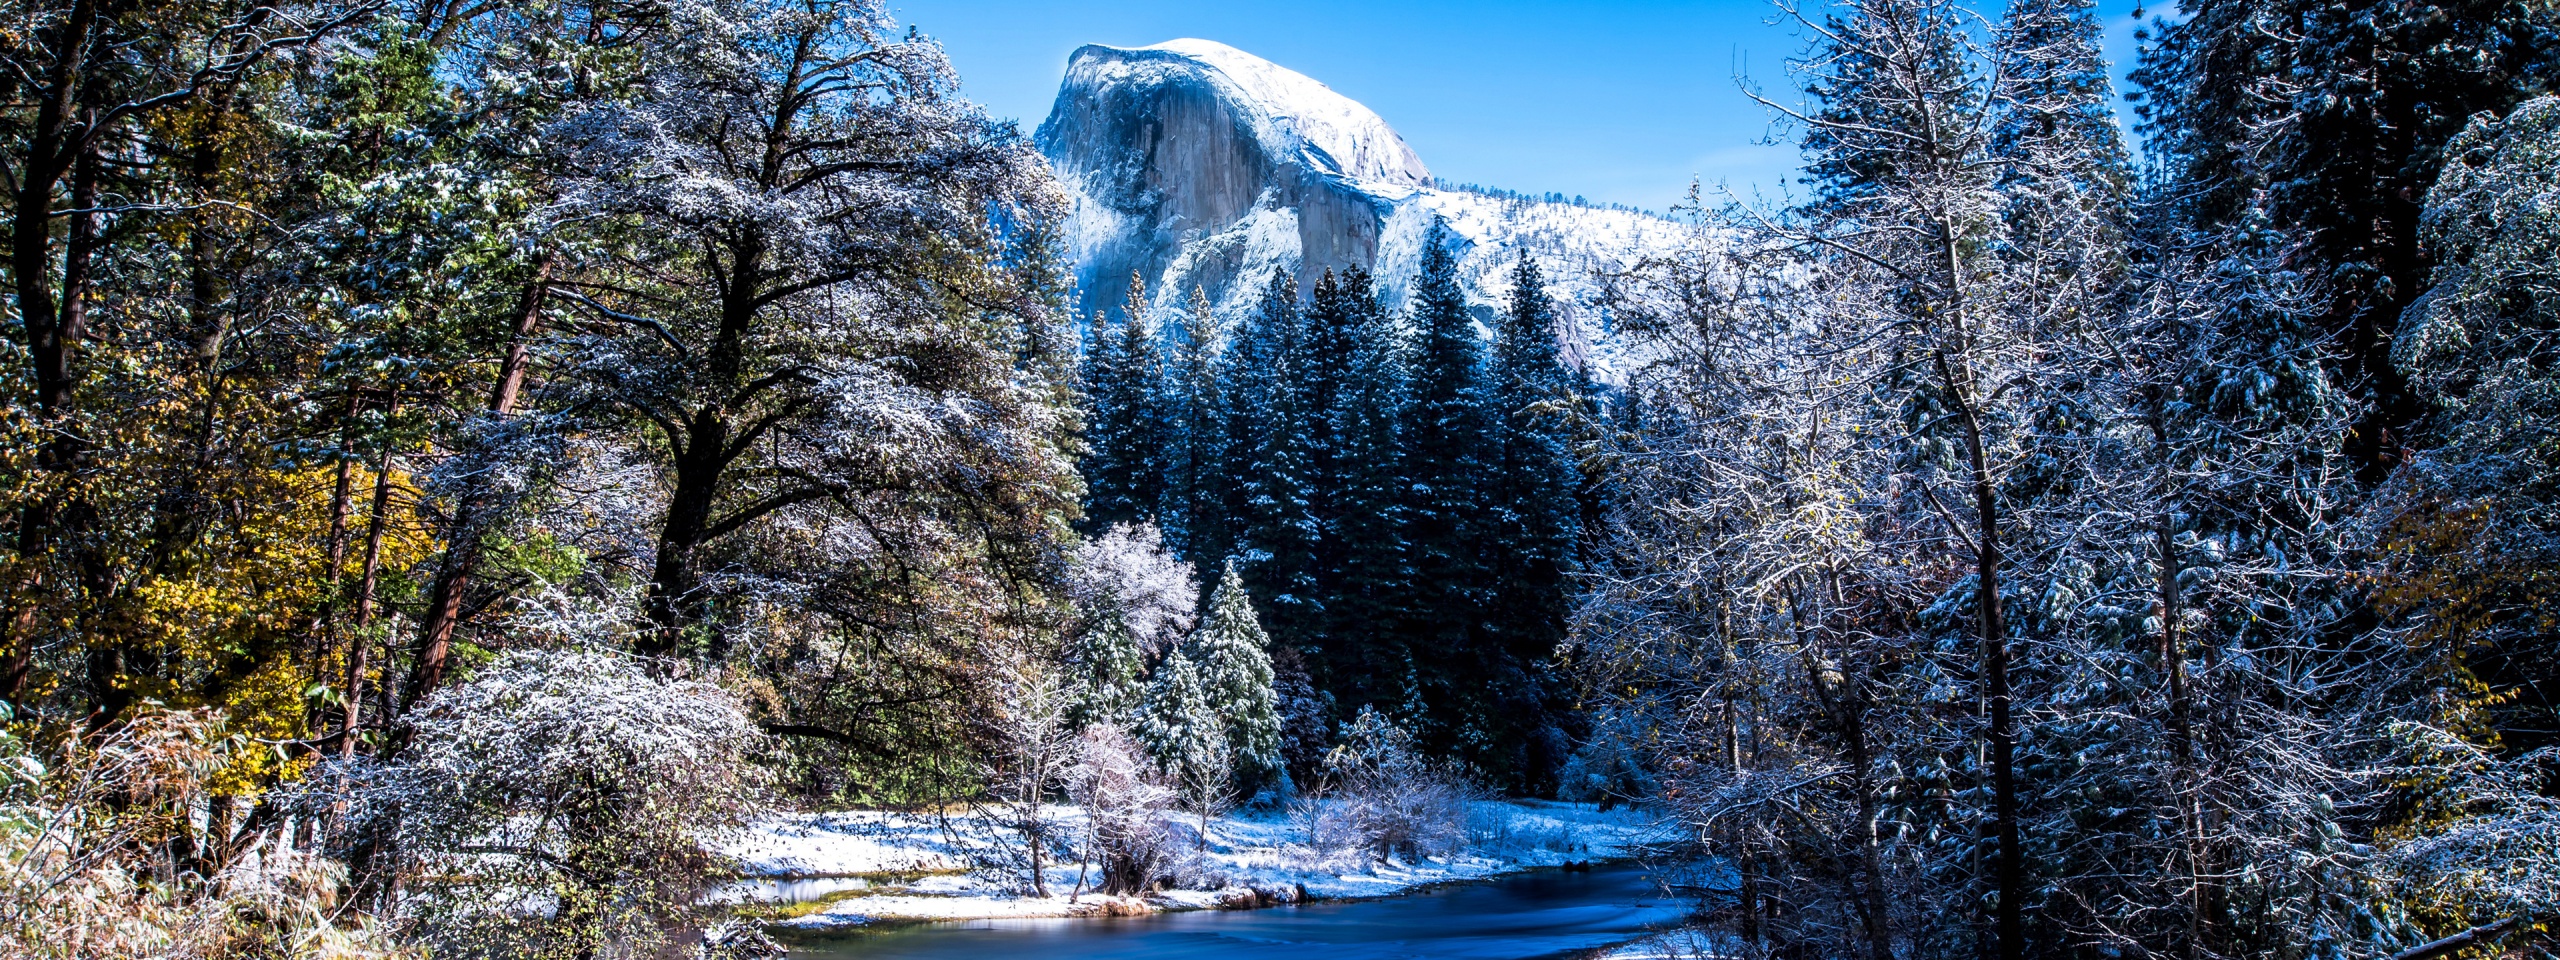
1541	914
784	891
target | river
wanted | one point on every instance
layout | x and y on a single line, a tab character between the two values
1545	913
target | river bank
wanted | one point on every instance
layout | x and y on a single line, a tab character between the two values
850	869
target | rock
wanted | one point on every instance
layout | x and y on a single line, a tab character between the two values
1276	896
1240	898
739	940
1194	164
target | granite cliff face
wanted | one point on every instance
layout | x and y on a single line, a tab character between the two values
1194	164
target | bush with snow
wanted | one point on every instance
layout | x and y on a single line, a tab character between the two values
561	803
1032	751
1384	799
1125	798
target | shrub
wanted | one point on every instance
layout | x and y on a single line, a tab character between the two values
1382	797
94	857
1125	798
562	803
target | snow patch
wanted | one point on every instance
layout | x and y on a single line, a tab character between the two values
895	866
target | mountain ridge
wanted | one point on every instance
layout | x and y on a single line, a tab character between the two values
1197	165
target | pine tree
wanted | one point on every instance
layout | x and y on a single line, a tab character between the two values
1267	464
2333	117
1196	448
1125	423
1368	573
1184	733
1098	375
1325	378
1106	672
1445	444
2064	161
1534	521
1529	393
1234	660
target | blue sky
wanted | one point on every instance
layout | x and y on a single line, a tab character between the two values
1619	101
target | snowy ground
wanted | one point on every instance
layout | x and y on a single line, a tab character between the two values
1684	944
860	867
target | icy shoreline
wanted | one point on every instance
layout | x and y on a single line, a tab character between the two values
857	868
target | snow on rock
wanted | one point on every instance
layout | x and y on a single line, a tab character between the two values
875	866
1291	113
1197	165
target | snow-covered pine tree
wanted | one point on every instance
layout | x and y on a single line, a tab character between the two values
1196	448
1098	372
1306	718
1185	735
2329	119
1106	672
1234	659
1364	657
1267	463
1332	344
1444	441
1125	428
2484	348
1534	526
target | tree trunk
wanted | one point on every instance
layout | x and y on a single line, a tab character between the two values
1846	708
1746	865
1038	836
1957	377
182	511
2182	745
341	510
2009	870
673	603
365	599
54	322
702	459
462	543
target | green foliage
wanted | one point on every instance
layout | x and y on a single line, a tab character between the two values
1186	734
1234	661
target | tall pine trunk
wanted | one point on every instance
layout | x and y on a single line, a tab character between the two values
369	584
462	541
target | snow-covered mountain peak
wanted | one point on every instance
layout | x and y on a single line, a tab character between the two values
1294	114
1200	168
